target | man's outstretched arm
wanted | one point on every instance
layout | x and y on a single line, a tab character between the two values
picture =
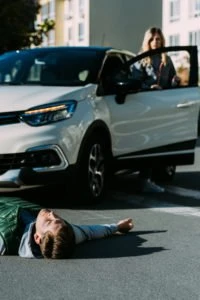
90	232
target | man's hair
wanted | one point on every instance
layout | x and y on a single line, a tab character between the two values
60	245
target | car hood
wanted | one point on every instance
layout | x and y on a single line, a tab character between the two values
15	98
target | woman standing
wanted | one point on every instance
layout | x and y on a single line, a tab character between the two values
159	68
159	73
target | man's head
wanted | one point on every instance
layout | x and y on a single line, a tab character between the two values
54	235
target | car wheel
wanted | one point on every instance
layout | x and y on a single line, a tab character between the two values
164	174
92	172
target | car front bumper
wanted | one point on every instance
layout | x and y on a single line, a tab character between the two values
40	165
28	177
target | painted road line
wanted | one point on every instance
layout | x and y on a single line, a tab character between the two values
176	210
179	191
195	194
158	205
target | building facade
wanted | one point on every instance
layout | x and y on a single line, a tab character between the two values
117	23
181	22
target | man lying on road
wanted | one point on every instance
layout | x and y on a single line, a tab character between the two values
30	231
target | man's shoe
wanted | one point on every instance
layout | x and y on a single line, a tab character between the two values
151	187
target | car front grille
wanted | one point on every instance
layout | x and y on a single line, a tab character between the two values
32	159
10	161
9	118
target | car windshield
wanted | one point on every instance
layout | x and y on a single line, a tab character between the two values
59	67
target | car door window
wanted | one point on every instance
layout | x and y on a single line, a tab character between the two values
165	69
113	71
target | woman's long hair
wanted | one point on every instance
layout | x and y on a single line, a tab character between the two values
149	34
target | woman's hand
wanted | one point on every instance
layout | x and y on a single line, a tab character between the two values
156	87
176	81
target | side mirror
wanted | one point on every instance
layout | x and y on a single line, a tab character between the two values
125	87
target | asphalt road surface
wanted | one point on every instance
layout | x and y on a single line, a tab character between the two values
158	260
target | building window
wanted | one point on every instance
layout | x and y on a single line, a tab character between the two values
174	10
194	8
69	33
81	4
45	40
44	11
48	10
52	9
80	31
174	40
81	8
194	38
51	37
69	9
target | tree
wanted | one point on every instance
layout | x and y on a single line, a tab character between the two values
17	28
36	37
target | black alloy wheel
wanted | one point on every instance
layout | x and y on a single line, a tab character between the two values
92	172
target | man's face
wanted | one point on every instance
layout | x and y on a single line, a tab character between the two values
47	220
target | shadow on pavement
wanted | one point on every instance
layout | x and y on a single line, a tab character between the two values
125	187
187	180
117	246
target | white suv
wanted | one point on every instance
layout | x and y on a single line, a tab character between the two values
77	115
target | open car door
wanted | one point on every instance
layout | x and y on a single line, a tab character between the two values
158	125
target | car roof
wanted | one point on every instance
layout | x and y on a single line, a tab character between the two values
100	49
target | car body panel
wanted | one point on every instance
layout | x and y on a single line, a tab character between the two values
151	119
17	97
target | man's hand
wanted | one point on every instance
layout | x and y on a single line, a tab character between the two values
125	225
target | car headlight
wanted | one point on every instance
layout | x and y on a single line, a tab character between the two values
46	114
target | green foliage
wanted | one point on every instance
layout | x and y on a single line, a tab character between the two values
17	29
42	29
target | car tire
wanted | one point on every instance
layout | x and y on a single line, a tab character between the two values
92	171
164	174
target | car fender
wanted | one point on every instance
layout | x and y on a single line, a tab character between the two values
98	127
